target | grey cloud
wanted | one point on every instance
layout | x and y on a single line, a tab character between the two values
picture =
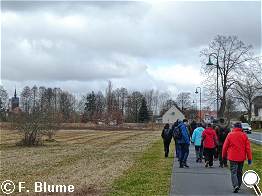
115	40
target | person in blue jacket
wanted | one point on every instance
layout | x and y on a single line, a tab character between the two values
196	139
184	143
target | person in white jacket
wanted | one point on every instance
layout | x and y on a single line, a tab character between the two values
196	139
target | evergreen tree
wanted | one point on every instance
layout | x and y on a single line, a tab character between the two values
90	107
143	114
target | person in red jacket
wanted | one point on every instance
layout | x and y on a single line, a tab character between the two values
209	139
236	149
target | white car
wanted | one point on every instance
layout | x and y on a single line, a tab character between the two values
246	127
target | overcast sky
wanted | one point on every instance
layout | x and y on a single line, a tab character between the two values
79	46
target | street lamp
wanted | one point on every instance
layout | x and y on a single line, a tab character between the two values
217	66
199	101
194	108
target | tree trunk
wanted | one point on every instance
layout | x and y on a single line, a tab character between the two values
249	113
222	108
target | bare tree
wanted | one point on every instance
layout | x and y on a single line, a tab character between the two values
38	117
231	55
66	104
149	99
155	102
183	100
34	126
166	106
34	93
124	94
230	108
26	99
134	102
109	97
3	103
245	91
100	106
256	72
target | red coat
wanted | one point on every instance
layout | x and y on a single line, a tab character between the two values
209	138
237	146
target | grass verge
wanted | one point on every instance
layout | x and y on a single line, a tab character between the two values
257	160
150	174
257	130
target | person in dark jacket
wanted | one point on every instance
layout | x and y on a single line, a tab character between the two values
216	128
184	143
193	126
167	137
222	133
176	142
237	149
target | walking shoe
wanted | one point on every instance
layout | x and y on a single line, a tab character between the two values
221	165
236	189
186	165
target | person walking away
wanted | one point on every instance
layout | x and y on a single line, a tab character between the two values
209	139
236	149
177	150
196	139
193	126
167	137
222	133
216	128
185	121
183	141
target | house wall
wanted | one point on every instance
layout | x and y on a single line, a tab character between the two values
260	112
172	115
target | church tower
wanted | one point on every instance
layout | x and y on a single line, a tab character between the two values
14	101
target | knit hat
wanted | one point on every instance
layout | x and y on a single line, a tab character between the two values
238	125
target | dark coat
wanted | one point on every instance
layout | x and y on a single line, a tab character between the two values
222	134
167	137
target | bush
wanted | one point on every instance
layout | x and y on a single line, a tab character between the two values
34	126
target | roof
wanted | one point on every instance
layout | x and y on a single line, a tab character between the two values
179	109
175	105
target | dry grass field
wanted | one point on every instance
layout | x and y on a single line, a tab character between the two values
88	159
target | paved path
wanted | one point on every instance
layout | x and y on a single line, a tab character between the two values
255	137
198	180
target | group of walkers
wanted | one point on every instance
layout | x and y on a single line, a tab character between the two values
212	142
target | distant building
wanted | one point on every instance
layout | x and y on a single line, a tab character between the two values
257	108
172	115
158	120
257	112
207	115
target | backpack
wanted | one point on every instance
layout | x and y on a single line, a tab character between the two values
177	133
166	133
